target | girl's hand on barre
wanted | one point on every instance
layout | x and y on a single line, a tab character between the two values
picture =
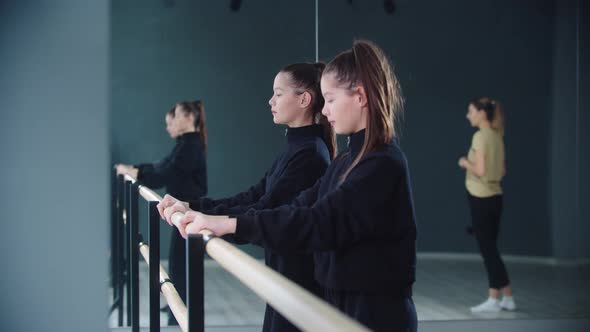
218	225
182	223
123	169
167	201
170	205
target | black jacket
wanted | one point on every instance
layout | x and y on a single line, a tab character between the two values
303	162
298	167
362	231
183	172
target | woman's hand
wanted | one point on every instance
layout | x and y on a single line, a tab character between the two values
123	169
477	166
463	162
170	205
218	225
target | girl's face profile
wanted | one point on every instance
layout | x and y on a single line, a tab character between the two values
474	116
285	102
342	107
170	126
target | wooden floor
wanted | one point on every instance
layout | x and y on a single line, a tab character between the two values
446	286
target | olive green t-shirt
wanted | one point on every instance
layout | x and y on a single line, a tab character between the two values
491	144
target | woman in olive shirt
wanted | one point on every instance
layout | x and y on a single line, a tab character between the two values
485	168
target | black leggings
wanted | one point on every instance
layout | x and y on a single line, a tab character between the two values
485	217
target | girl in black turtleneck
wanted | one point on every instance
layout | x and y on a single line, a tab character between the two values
297	102
358	219
183	172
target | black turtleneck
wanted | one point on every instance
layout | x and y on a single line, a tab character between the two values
362	230
297	168
183	172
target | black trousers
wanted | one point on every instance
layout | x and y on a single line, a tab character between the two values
378	312
275	322
177	267
485	218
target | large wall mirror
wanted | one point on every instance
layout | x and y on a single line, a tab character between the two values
524	54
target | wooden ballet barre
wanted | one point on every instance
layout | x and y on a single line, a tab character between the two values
167	288
148	194
168	291
300	307
145	192
129	178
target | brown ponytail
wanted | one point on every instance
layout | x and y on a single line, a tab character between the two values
498	122
307	77
367	65
197	109
494	112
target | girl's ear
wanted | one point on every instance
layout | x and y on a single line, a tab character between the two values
362	96
190	116
306	98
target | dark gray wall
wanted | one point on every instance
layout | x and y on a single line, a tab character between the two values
584	146
564	176
569	151
200	49
445	54
54	169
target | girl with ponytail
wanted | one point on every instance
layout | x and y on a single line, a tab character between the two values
195	111
296	102
358	219
485	167
183	172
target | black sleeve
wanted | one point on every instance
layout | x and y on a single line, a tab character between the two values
301	172
178	165
250	196
351	213
145	166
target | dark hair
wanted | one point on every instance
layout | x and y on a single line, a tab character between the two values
494	112
307	77
197	109
367	65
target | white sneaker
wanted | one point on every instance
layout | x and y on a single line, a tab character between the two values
490	305
508	303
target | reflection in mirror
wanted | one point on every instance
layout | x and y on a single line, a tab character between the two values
499	232
447	55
